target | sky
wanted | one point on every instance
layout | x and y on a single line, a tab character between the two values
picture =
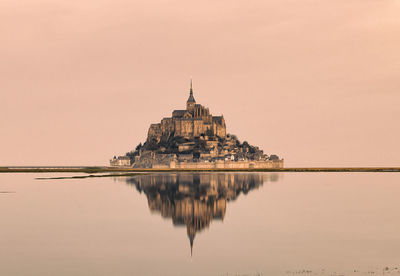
316	82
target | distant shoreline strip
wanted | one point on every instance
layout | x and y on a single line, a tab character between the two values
66	169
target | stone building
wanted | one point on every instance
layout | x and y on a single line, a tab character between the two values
191	122
120	161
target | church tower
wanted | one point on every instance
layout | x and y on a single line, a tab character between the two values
191	101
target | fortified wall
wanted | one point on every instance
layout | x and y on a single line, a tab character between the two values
221	164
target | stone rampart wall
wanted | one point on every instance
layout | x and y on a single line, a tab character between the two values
228	165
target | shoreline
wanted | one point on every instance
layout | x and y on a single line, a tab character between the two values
93	169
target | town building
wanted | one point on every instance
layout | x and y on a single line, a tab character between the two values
120	161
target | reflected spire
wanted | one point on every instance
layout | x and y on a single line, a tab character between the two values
191	228
191	245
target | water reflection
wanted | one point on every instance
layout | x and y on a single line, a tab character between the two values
195	199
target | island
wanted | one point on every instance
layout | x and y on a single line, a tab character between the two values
195	139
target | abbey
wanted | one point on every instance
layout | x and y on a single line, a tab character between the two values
194	121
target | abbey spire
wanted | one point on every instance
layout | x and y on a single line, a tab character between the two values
191	98
191	101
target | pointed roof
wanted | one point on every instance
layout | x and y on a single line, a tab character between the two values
191	230
191	98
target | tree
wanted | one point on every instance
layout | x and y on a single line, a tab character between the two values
152	144
274	157
252	149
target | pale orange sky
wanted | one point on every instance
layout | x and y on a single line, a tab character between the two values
315	81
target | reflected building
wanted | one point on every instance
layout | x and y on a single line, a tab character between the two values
195	199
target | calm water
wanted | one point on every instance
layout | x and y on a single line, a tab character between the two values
201	224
